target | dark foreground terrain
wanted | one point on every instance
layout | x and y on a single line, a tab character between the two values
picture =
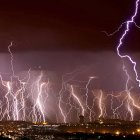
76	136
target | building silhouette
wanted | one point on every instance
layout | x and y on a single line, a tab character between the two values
81	119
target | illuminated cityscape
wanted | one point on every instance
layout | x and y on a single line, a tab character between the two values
100	128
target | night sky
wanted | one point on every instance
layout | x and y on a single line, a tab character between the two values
61	36
65	25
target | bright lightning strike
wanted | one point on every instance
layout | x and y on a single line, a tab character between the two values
127	29
123	36
77	100
100	104
130	100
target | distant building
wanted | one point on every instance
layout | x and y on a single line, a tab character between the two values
81	119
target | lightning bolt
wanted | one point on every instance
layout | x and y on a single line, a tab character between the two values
100	104
87	91
115	110
39	108
15	100
77	100
65	79
12	58
18	94
130	101
127	24
121	42
123	36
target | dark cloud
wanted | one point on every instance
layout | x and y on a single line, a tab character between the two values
106	66
64	25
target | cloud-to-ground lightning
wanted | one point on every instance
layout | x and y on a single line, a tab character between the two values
127	29
17	94
65	80
128	91
100	105
129	99
87	91
127	24
77	100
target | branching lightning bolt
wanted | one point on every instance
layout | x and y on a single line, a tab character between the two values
123	36
129	99
77	100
